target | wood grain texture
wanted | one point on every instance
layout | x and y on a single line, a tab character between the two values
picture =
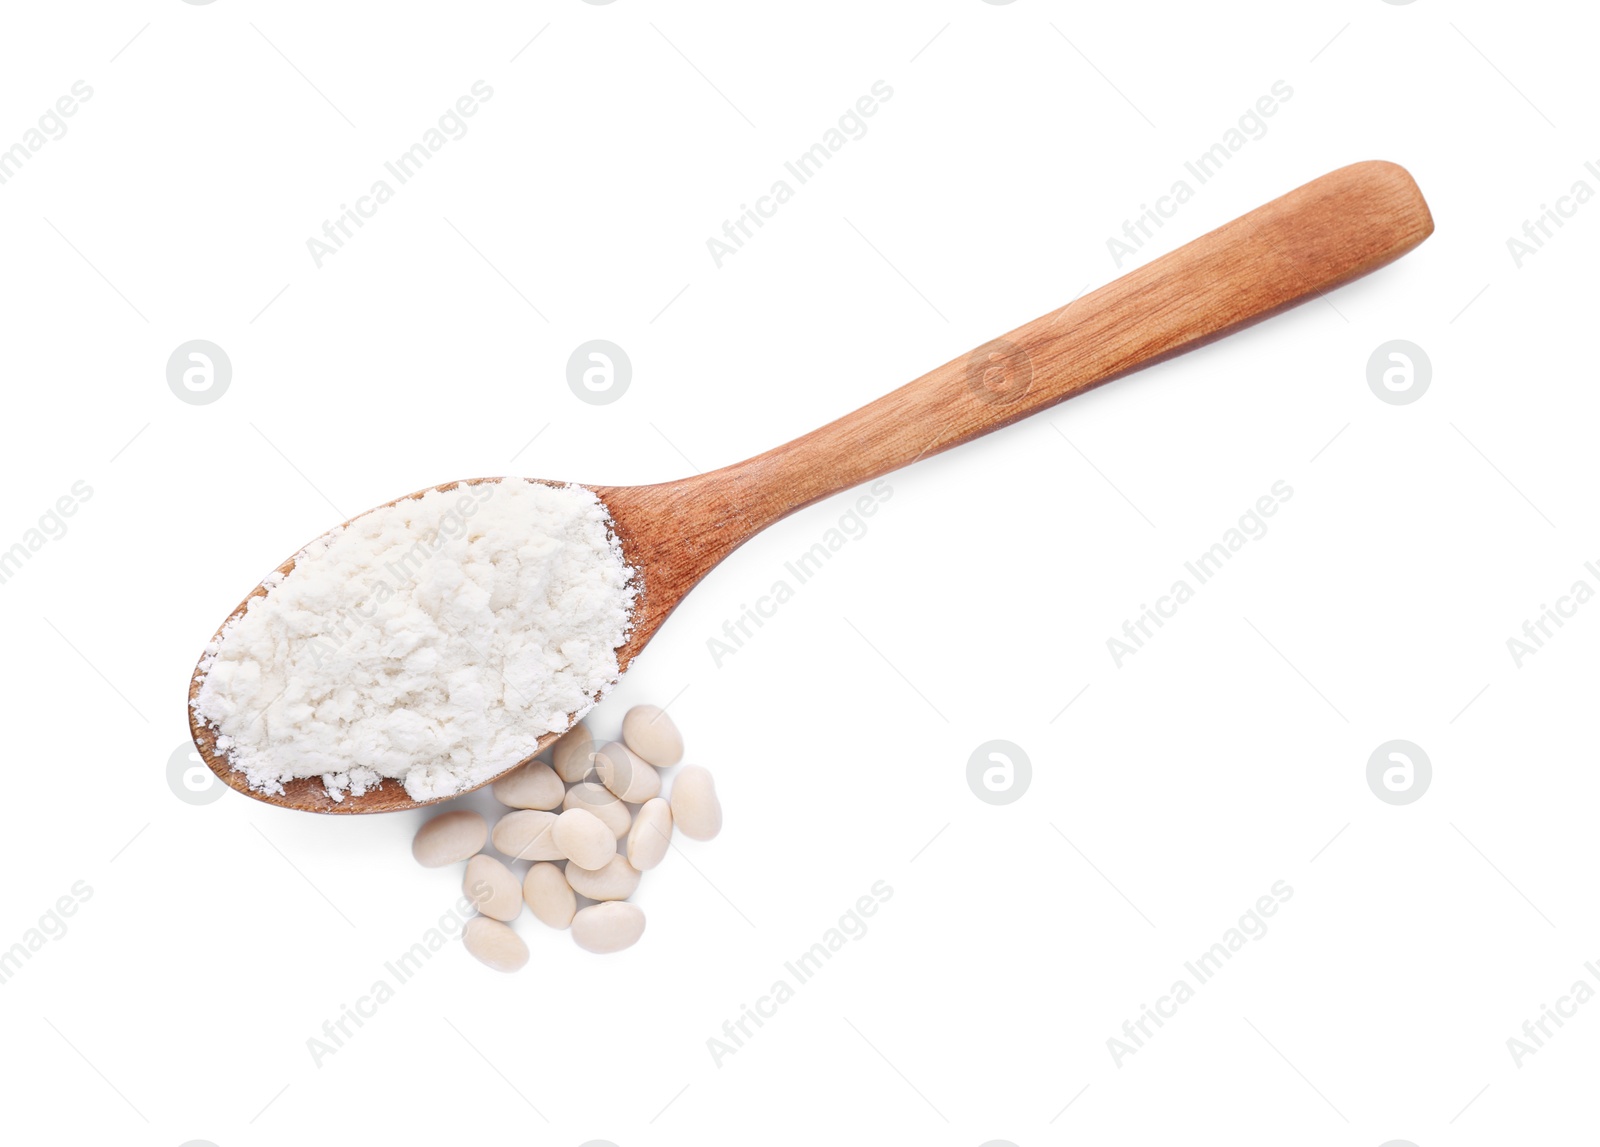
1300	246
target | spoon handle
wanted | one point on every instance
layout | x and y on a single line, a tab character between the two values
1333	229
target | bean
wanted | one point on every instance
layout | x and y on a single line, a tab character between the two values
449	838
491	886
570	757
569	818
549	896
608	927
630	778
525	835
650	835
649	732
695	808
603	803
584	839
495	944
534	785
618	880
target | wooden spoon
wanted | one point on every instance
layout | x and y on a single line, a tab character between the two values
1313	239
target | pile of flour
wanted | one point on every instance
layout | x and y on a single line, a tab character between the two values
433	641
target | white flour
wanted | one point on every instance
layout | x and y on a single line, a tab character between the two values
432	641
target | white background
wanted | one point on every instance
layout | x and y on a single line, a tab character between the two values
1228	754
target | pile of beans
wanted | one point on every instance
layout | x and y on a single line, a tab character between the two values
591	820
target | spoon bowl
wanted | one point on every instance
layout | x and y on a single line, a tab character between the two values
1315	238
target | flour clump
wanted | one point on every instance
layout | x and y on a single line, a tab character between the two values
432	642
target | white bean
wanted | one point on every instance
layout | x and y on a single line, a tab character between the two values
534	785
549	896
495	944
649	732
695	808
650	835
625	774
525	835
584	839
617	880
570	758
603	803
492	887
575	810
449	838
608	927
